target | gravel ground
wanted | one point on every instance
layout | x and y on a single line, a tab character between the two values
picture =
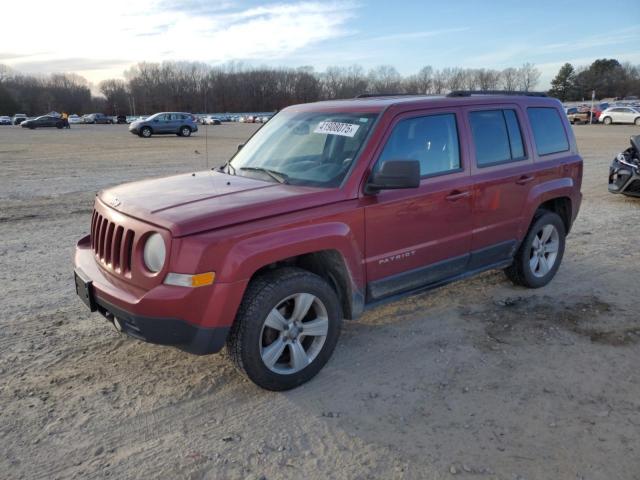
479	379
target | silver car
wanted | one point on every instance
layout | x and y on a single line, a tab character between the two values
620	115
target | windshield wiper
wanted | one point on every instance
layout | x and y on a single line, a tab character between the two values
277	176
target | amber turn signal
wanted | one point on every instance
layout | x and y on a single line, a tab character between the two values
186	280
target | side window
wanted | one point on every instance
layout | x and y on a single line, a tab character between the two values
548	130
496	137
432	140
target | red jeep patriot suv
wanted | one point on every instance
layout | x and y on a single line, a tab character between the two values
329	209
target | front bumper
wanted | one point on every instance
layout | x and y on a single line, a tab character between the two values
624	178
162	331
195	320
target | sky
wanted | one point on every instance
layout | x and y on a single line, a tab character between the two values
100	40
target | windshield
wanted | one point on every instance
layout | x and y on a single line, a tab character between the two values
304	148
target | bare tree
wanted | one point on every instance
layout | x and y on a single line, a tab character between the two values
384	79
509	79
528	77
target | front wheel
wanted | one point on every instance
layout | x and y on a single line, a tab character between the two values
538	258
286	329
145	132
637	122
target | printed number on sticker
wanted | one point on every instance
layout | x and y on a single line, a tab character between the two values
337	128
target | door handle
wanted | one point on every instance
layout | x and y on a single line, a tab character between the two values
457	195
523	180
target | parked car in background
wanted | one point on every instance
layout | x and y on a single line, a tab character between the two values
330	209
4	120
98	118
121	119
43	121
75	119
577	115
18	118
620	115
177	123
209	120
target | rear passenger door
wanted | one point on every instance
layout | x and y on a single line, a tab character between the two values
503	173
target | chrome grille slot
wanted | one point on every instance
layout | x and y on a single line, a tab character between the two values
112	244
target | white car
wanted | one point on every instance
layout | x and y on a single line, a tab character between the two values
209	120
620	115
75	119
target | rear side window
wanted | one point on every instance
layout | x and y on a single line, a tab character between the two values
432	140
548	131
496	137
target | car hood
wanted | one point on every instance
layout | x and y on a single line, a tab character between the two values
197	202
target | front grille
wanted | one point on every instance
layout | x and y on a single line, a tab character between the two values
112	244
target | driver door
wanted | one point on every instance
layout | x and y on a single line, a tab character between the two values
160	124
416	237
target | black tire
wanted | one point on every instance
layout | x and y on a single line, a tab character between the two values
607	121
146	132
184	132
246	337
59	125
520	272
637	121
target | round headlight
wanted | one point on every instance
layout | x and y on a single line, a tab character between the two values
154	252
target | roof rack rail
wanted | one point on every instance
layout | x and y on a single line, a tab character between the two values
468	93
370	95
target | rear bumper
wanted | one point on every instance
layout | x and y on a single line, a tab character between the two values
196	320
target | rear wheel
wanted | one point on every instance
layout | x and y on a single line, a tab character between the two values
185	132
286	329
607	121
145	132
538	258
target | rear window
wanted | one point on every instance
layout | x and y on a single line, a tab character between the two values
496	137
548	130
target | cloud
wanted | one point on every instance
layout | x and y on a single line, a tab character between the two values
214	32
423	34
70	65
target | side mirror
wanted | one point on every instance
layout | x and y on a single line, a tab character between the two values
240	145
395	174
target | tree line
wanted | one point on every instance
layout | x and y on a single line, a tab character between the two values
607	77
197	87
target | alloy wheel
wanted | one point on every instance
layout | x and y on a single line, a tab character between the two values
544	250
294	333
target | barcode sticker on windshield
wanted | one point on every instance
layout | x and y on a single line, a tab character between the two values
337	128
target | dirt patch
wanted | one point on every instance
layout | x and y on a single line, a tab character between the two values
543	319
